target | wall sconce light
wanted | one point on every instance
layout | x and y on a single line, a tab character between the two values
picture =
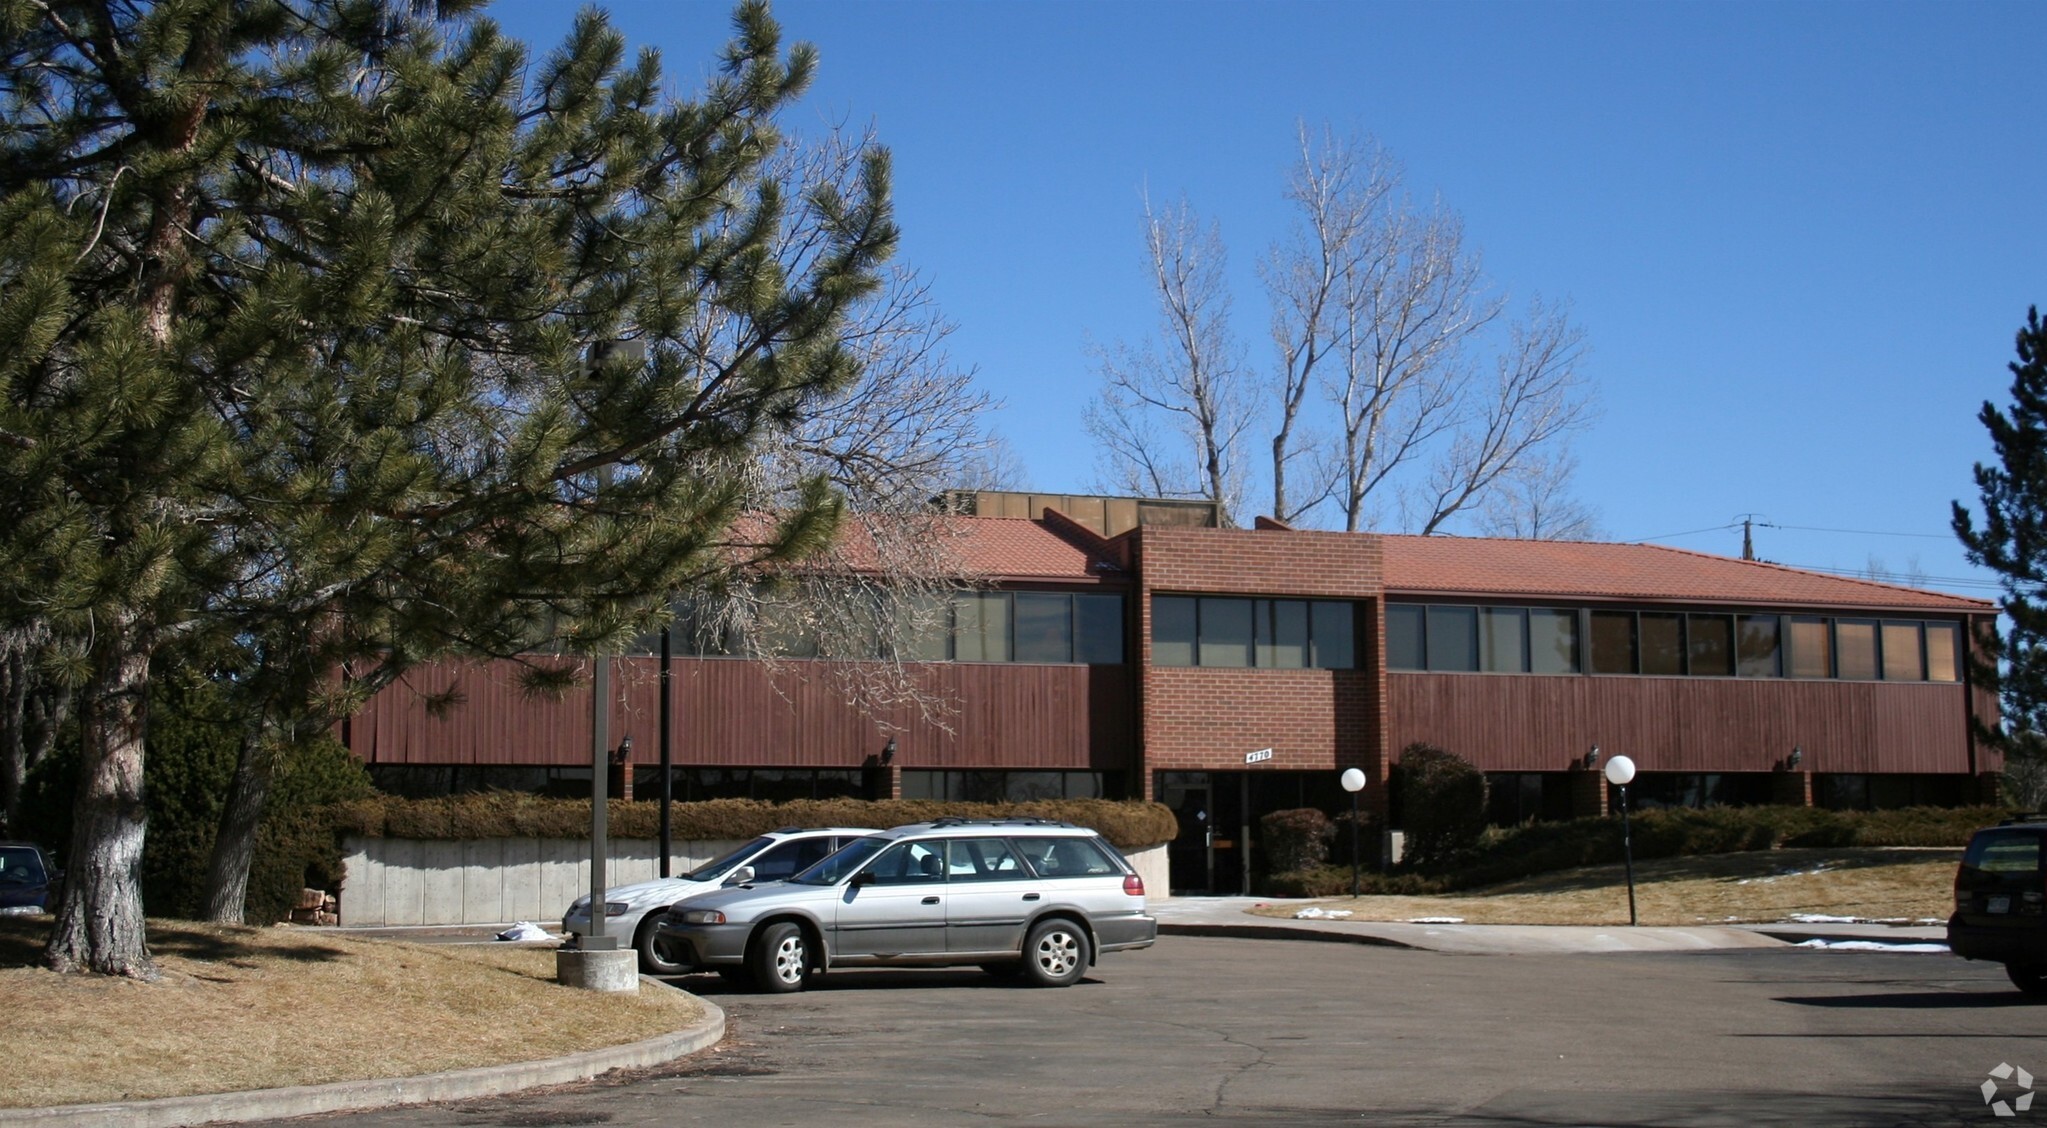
1592	758
624	753
888	752
1796	758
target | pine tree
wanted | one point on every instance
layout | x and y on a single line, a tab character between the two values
2012	542
331	343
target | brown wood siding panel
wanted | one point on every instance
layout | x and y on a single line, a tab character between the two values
1510	723
742	714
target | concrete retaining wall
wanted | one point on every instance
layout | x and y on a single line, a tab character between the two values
407	881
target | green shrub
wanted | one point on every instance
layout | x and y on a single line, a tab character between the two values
506	814
1370	839
1507	853
1294	840
1442	802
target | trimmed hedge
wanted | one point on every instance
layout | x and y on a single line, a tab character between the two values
508	814
1505	854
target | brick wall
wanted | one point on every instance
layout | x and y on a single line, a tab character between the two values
1207	719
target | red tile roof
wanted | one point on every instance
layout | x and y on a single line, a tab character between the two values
1584	570
1017	548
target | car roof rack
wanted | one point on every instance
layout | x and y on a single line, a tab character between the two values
1006	820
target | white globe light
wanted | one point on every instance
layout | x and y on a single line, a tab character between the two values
1353	779
1619	770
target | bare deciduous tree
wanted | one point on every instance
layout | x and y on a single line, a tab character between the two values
1536	398
1340	191
1399	391
1190	381
1534	502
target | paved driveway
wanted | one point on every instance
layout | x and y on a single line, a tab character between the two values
1293	1032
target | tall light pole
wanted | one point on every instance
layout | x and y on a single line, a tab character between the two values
1619	771
1353	781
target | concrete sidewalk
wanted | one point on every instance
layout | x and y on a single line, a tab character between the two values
1231	916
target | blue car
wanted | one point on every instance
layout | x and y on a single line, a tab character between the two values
27	882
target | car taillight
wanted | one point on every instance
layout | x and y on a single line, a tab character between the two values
1133	885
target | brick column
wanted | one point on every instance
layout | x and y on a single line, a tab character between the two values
1990	789
1791	789
1588	793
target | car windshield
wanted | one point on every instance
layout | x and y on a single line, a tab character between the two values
712	871
838	866
20	865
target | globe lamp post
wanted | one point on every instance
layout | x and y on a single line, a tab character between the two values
1353	781
1620	771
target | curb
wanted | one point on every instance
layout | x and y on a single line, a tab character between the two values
1276	932
380	1092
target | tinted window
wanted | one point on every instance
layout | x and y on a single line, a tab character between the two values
1282	633
1943	647
1613	642
1663	643
1993	851
1553	642
1098	629
1066	857
1044	627
712	871
984	859
1502	635
1172	630
1711	638
1854	649
1404	637
910	863
1453	638
1335	626
1225	632
1902	659
790	858
981	627
1757	639
1811	654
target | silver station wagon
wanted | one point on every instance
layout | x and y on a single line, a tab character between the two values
1016	896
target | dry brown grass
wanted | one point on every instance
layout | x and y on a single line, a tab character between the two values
248	1008
1900	884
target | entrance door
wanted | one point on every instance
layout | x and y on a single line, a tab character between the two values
1190	857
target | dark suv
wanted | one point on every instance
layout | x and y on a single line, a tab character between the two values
2001	901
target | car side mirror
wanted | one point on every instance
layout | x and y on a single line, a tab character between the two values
740	876
864	877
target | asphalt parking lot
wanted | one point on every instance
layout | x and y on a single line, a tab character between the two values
1303	1032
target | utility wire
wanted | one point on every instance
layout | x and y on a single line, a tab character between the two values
1857	532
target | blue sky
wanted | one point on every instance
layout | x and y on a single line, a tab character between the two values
1799	236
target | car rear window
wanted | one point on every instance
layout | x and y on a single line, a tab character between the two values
2004	852
20	865
1066	857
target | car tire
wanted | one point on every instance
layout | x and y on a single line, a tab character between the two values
1055	953
780	959
653	951
2029	978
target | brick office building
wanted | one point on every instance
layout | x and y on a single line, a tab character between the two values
1124	647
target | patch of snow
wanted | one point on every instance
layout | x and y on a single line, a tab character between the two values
1870	946
1435	920
1822	918
1316	912
525	930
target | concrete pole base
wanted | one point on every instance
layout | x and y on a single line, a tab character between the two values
617	970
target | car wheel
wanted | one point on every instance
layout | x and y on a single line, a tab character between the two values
654	952
1055	953
780	958
2029	978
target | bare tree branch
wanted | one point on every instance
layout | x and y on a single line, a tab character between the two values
1190	379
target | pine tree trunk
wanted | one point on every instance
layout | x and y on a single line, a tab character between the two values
13	739
99	918
234	847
